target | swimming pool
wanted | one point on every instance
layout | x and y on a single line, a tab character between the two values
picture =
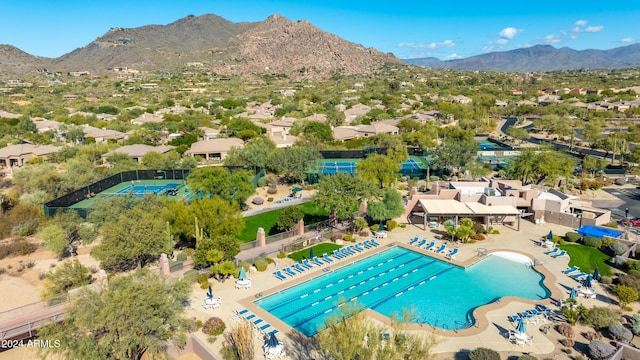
442	294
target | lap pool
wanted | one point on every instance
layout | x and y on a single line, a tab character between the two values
443	295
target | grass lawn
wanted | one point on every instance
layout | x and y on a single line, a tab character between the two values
267	221
587	258
318	250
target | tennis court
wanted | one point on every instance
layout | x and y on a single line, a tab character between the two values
138	188
335	166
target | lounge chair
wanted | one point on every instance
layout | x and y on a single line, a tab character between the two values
414	240
543	309
571	269
537	313
289	272
560	254
431	245
453	253
373	242
257	322
299	267
357	247
367	245
240	313
441	248
525	315
421	243
326	258
552	252
306	264
513	318
351	250
578	275
279	275
264	328
317	261
344	252
338	255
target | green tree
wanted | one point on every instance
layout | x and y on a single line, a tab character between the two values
343	193
382	170
389	207
65	232
145	238
208	250
134	317
66	276
314	130
477	169
457	148
517	133
293	162
288	217
220	182
255	152
217	216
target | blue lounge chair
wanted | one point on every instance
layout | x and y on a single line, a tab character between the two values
249	316
552	251
289	272
453	253
578	275
344	252
525	315
264	328
338	255
257	322
560	254
441	248
350	250
535	312
241	313
543	309
571	269
317	261
374	242
421	243
299	267
357	247
431	245
367	244
326	258
414	240
306	264
513	318
279	275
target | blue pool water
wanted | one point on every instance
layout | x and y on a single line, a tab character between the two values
441	294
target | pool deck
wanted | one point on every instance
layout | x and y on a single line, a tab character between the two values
491	320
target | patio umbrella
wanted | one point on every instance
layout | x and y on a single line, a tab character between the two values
210	293
573	294
521	327
273	341
550	236
596	274
243	274
311	253
587	281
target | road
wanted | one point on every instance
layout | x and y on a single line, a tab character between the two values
630	196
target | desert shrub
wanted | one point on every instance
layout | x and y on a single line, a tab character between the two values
601	317
568	343
620	333
479	228
619	262
527	357
19	247
263	181
391	224
600	350
375	227
629	280
611	224
269	260
402	226
571	236
348	237
484	354
566	330
198	324
592	335
261	264
606	280
213	326
189	251
182	256
618	248
567	351
203	280
270	199
635	324
607	241
592	241
282	255
478	237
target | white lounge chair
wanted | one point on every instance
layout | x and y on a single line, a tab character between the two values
453	253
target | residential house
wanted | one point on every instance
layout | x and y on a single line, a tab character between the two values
209	133
18	155
345	133
526	102
138	151
214	150
147	118
44	125
501	103
355	111
377	128
102	135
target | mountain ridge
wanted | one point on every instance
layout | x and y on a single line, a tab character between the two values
539	58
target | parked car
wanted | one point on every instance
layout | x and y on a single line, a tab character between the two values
632	222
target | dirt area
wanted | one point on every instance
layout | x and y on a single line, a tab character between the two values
282	192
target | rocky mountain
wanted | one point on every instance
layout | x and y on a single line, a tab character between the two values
15	62
540	58
274	46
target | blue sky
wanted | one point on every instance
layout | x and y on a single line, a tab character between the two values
409	29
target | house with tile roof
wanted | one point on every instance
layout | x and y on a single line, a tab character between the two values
214	150
138	151
18	155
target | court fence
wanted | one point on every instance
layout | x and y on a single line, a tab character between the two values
74	197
